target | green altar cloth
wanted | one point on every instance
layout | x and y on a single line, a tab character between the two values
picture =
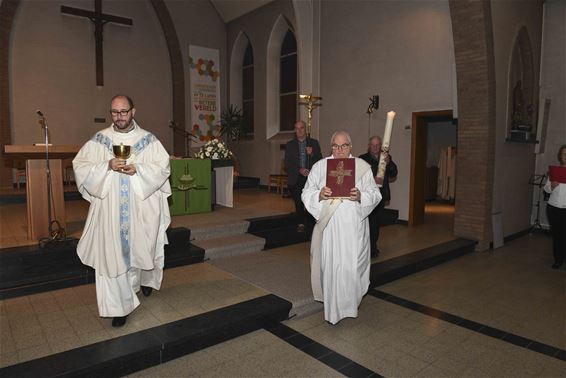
191	186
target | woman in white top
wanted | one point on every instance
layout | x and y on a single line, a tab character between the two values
556	213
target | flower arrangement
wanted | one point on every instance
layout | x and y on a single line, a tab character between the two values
214	149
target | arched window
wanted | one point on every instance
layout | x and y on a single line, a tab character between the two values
248	90
288	83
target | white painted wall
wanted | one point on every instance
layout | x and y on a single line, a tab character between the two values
197	23
553	87
401	50
52	66
514	162
261	156
52	69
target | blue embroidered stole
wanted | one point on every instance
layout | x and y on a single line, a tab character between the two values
124	196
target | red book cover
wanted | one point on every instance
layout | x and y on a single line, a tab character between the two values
340	176
557	173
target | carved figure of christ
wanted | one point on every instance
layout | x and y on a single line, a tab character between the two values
98	19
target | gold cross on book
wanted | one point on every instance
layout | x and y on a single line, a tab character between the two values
340	172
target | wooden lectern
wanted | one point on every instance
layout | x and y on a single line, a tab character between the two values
36	185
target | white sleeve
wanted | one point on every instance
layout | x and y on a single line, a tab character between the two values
311	192
152	171
92	174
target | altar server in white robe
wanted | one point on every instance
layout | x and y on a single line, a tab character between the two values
124	233
340	245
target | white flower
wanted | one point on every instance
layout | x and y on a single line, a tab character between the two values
214	149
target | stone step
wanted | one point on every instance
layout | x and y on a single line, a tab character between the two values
205	231
230	245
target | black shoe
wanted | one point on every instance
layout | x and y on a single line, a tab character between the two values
119	321
301	228
556	266
146	290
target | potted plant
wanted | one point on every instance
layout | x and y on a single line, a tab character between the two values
233	122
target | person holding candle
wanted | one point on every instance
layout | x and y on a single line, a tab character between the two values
124	234
373	157
556	212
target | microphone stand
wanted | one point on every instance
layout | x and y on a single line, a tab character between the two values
43	123
59	234
537	180
185	134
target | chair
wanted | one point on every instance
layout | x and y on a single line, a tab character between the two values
278	180
68	172
20	167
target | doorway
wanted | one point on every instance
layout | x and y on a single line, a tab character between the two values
433	158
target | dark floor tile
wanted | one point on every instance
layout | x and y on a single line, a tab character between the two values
375	375
282	331
299	341
469	324
431	312
450	318
355	370
517	340
493	332
561	355
316	350
543	348
335	360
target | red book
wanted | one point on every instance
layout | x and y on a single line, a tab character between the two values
557	173
340	176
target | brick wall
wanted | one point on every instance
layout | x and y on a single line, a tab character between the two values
7	11
475	67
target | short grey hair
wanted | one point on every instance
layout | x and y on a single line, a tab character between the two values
374	137
340	133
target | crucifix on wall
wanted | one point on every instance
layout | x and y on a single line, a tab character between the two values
99	19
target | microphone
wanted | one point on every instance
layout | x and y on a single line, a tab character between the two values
39	113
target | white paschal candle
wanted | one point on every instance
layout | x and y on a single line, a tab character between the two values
388	129
385	144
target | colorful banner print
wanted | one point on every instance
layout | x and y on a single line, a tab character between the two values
204	64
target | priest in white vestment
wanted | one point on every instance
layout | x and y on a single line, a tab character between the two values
124	234
340	245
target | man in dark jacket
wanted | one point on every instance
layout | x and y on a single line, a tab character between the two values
372	158
300	155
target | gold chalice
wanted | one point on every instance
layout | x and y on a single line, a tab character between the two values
121	151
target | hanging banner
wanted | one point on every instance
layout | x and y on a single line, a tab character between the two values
204	64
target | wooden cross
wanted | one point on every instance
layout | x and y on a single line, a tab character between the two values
99	19
340	172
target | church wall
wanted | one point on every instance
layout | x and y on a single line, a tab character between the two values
197	23
53	69
402	51
260	157
514	162
553	87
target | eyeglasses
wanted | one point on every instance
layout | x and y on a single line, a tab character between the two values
120	112
341	146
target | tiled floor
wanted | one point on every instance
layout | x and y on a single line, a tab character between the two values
41	324
512	289
258	354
